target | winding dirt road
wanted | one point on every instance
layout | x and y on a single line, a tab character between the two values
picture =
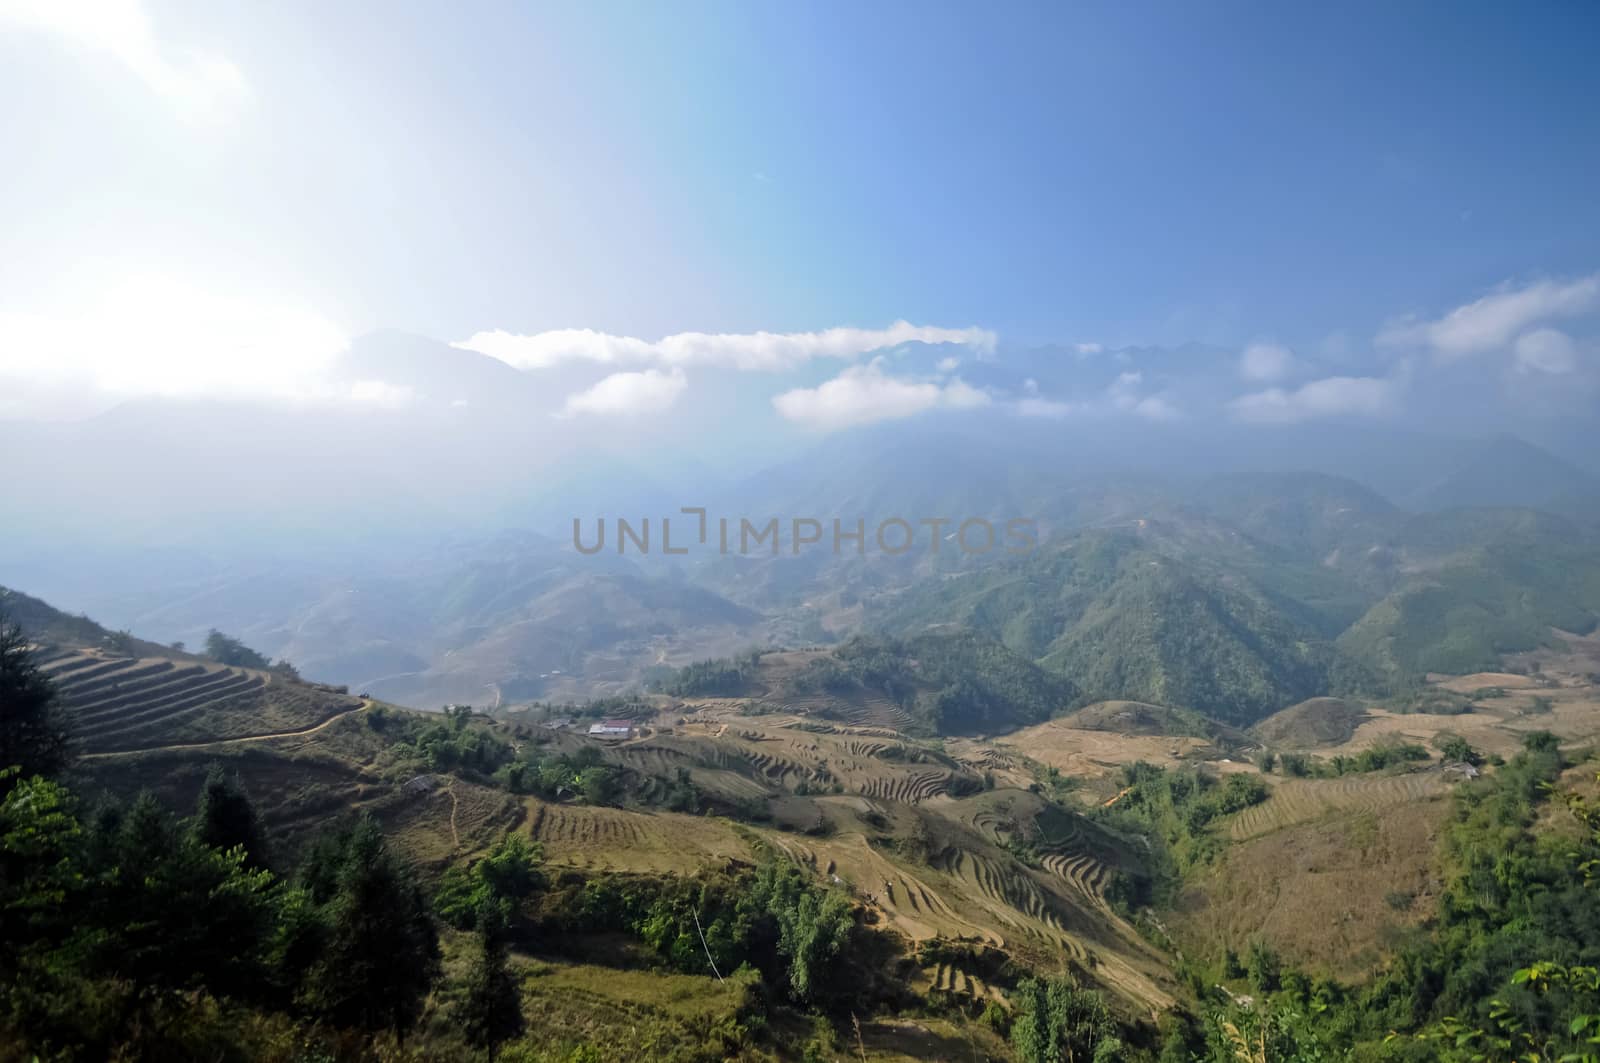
366	704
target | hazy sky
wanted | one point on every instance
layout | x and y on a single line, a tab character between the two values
215	196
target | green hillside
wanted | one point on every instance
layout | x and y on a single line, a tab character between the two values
1163	635
1486	602
949	683
1121	621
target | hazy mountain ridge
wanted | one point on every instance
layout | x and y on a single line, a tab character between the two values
1125	621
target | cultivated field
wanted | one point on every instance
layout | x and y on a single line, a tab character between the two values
118	704
949	843
1329	894
1296	801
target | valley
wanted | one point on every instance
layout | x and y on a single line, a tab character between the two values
540	532
1007	850
1173	762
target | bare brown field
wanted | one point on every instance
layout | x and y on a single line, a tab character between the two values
1328	895
1312	724
1096	757
1467	684
614	839
1495	725
1297	801
452	818
1576	658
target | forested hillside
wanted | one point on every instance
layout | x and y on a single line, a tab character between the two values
1478	605
1118	620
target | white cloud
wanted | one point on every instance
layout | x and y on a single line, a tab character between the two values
154	335
1156	408
1546	350
1124	395
382	393
949	365
764	351
649	391
1051	408
1491	323
1331	397
201	85
1088	348
863	394
1266	362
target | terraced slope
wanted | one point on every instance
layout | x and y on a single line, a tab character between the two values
1303	800
780	754
120	704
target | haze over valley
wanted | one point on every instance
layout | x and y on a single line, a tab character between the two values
719	532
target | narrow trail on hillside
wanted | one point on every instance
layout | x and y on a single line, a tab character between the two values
454	804
331	720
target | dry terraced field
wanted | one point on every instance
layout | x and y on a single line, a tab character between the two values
1295	801
119	704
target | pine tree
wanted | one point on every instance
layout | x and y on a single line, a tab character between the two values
33	737
382	952
491	1012
225	818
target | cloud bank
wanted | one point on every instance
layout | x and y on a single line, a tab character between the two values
650	391
1124	395
753	351
1337	396
1492	322
865	393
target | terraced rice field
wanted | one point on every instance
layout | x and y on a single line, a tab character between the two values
1082	872
909	787
874	713
956	981
909	902
1094	755
1014	894
1303	800
602	838
788	757
128	703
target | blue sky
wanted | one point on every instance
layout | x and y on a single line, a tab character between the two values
1301	176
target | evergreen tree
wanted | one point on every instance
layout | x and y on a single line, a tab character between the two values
491	1012
225	818
382	953
181	914
33	736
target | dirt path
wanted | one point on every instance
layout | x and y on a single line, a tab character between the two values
454	804
335	718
